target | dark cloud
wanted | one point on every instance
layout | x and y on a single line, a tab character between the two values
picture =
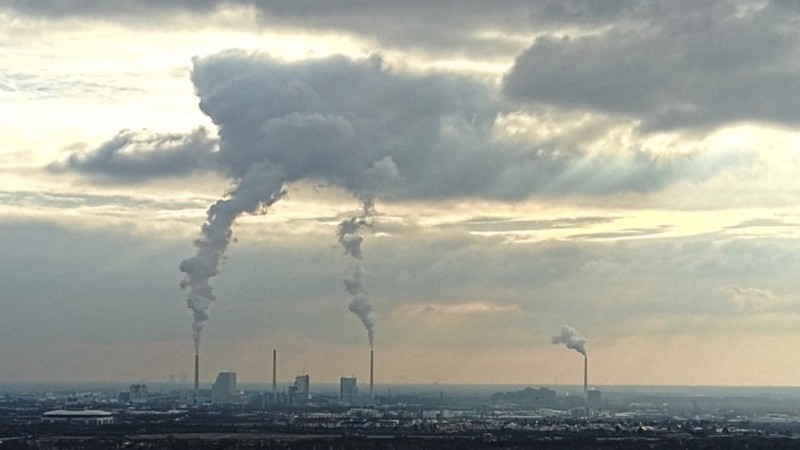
454	26
352	123
130	10
672	65
136	156
370	129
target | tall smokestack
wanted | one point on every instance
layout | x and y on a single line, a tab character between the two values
196	376
585	376
371	371
274	373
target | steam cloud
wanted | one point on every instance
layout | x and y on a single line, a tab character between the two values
353	124
261	187
569	337
349	236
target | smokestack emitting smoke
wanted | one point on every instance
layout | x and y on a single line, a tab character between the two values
371	371
196	376
585	376
569	337
329	121
349	236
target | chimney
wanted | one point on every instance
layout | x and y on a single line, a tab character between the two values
371	371
196	376
585	376
274	373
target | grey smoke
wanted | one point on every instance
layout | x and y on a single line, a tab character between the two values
349	231
363	127
569	337
361	306
262	186
359	125
354	285
349	236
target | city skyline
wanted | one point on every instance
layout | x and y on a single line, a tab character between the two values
625	168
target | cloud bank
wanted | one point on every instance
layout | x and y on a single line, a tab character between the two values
363	126
138	156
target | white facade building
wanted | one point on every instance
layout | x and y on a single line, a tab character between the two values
87	417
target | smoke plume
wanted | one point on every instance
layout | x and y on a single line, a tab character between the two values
569	337
340	122
261	187
361	306
349	236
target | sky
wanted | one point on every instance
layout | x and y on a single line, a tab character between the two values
468	176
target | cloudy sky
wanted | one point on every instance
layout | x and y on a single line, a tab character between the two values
625	167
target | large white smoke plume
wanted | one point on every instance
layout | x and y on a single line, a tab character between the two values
569	337
344	123
258	189
349	236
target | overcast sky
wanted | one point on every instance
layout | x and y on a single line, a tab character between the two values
625	167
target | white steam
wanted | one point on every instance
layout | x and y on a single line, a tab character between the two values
349	235
569	337
261	186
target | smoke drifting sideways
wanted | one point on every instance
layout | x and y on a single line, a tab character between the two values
569	337
349	235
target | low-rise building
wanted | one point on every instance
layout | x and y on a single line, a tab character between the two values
87	417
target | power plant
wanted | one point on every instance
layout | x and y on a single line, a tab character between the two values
196	376
371	372
586	376
274	372
569	337
299	392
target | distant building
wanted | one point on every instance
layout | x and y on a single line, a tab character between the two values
541	397
88	417
139	393
264	400
348	389
224	388
299	392
594	398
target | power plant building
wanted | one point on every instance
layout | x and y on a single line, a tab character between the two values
348	389
139	393
594	398
224	389
299	392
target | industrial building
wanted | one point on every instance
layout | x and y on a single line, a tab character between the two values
348	389
139	393
594	398
87	417
224	389
299	392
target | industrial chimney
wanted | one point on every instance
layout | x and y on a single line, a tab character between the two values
196	376
585	376
371	372
274	374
